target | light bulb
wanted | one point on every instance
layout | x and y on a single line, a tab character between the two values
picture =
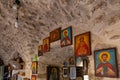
14	7
16	24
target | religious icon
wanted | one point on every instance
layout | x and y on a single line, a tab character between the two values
52	73
66	37
79	61
34	67
82	44
33	77
46	45
72	61
55	35
40	50
105	63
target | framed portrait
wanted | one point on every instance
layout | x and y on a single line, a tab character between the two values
53	73
66	37
72	72
105	63
46	44
33	77
55	35
83	44
40	50
34	67
79	61
72	61
65	72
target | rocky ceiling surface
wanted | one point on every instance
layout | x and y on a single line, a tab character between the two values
36	18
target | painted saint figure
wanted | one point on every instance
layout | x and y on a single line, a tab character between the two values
72	61
53	74
33	68
105	68
40	50
46	45
66	39
33	77
82	48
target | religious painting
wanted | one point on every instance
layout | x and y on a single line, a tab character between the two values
72	72
34	67
72	61
66	37
105	63
33	77
53	73
40	50
46	45
19	77
82	44
55	35
65	72
79	61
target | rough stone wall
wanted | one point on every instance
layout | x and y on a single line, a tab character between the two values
107	37
99	17
37	18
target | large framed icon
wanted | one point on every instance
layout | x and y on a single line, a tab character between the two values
83	44
53	73
66	37
55	35
106	63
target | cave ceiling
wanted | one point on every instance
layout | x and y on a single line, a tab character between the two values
36	18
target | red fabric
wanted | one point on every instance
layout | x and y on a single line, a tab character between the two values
46	48
82	49
107	65
65	39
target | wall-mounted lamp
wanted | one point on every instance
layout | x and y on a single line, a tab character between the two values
17	5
